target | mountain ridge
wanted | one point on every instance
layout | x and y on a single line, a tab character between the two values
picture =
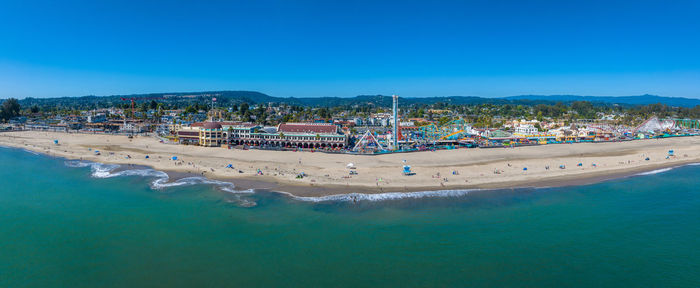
255	97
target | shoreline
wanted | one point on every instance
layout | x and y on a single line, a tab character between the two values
337	193
509	161
561	181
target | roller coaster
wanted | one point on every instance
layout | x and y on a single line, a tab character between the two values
452	130
687	123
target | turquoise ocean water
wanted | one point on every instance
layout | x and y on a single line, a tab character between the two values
62	226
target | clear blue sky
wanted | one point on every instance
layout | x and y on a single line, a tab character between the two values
346	48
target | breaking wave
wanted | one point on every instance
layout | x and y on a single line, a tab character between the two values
354	197
31	152
100	170
161	181
657	171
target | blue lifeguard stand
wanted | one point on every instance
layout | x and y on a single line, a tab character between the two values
407	170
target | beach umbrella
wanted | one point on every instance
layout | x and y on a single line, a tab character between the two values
147	157
524	168
56	142
174	157
350	165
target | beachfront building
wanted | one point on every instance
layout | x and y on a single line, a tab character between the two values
294	135
188	135
132	127
211	134
531	134
208	134
286	135
526	129
97	118
497	136
238	133
46	127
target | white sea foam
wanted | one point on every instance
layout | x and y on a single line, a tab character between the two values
30	152
384	196
657	171
77	163
100	170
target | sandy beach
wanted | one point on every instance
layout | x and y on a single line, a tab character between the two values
327	173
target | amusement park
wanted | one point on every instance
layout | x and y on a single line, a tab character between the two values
459	133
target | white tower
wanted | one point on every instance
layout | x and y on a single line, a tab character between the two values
395	108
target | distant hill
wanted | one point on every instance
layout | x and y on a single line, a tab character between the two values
622	100
226	98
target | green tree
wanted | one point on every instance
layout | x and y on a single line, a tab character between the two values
190	109
243	108
323	113
10	108
153	104
246	116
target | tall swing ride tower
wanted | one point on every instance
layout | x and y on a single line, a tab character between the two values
395	124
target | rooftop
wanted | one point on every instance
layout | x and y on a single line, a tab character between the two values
318	128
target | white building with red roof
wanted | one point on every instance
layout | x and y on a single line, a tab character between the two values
287	135
298	135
